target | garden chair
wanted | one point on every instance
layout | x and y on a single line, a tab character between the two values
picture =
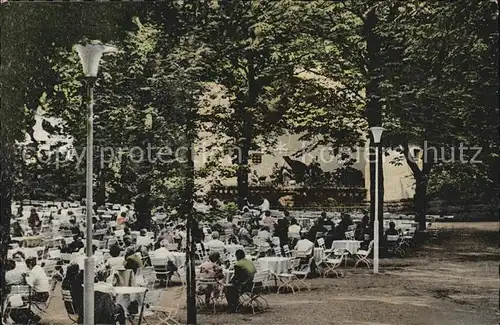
321	244
49	266
349	235
362	255
394	246
161	271
289	279
331	264
44	305
253	299
301	275
155	314
19	298
287	251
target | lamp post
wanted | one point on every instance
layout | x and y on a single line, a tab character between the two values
377	134
90	55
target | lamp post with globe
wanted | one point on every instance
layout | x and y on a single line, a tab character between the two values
377	134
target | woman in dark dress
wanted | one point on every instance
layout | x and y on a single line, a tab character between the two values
105	309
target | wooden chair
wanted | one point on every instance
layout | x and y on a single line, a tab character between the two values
19	298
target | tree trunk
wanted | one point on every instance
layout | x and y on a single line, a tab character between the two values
6	185
189	213
100	198
374	107
420	201
242	175
421	181
142	208
246	132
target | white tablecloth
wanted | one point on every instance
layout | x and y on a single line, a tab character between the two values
350	245
28	241
178	258
276	265
125	295
233	248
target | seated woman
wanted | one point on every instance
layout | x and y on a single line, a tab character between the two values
13	276
19	258
76	244
127	237
116	261
71	283
243	235
392	231
17	230
132	260
211	270
304	247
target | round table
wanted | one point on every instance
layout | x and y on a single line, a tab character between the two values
276	265
28	241
351	246
178	258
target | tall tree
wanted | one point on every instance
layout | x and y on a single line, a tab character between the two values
248	42
139	120
440	90
36	28
344	47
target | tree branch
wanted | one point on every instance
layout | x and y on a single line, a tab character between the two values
411	160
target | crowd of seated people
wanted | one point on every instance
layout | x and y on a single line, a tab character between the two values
27	272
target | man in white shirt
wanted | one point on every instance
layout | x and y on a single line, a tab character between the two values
143	239
265	206
38	280
115	262
161	252
294	227
304	247
264	234
215	244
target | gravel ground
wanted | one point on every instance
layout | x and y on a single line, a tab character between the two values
452	280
